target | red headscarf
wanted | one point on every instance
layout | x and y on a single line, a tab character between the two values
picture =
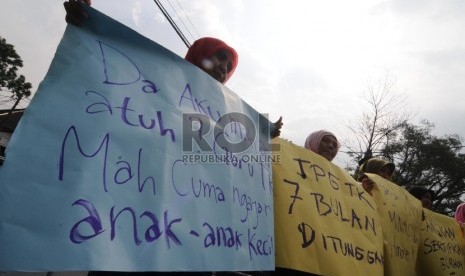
205	48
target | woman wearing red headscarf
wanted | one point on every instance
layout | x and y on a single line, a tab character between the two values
219	60
214	57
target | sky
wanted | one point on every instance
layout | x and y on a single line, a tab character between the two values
307	61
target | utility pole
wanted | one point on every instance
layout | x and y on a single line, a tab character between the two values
173	24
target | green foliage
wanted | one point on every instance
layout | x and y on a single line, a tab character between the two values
10	61
436	163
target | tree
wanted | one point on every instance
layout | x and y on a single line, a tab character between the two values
385	115
436	163
10	62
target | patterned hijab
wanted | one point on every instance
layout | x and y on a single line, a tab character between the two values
374	165
205	48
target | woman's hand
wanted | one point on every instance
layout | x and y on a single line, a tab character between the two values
277	128
367	185
75	12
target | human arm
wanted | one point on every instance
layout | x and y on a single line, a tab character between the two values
276	131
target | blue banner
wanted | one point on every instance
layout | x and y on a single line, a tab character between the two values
129	158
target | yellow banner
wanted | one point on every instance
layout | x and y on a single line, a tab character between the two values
400	215
325	223
442	250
